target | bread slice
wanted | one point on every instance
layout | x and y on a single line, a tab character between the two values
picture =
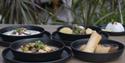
102	49
82	47
93	42
66	30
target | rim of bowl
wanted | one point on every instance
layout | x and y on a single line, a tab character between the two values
76	34
17	26
70	26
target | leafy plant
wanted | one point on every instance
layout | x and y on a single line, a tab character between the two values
93	12
20	11
85	12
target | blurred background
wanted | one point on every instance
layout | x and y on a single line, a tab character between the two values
60	12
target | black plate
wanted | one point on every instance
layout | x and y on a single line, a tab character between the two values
113	33
56	36
6	44
8	57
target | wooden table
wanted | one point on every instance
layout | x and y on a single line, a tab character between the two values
52	28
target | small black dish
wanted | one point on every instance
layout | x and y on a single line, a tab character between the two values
73	37
33	57
9	57
56	36
113	33
3	43
10	38
96	57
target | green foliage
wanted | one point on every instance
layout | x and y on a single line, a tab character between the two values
85	12
20	11
39	45
94	12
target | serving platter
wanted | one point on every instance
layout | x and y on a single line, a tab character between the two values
9	58
113	33
46	35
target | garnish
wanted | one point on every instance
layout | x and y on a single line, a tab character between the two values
39	44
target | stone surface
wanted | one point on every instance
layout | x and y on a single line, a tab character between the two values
52	28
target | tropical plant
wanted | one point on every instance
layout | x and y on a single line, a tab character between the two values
87	12
21	12
93	12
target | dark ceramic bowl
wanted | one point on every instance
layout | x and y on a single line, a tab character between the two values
56	37
46	35
113	33
73	37
96	57
36	57
10	38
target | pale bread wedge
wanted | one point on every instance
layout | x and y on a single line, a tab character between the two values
66	30
93	42
102	49
82	47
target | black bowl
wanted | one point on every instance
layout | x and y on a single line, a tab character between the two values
35	57
113	33
56	37
46	35
10	38
73	37
96	57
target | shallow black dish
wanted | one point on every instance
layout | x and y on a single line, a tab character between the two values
10	38
56	36
73	37
96	57
113	33
46	35
9	57
33	57
4	43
